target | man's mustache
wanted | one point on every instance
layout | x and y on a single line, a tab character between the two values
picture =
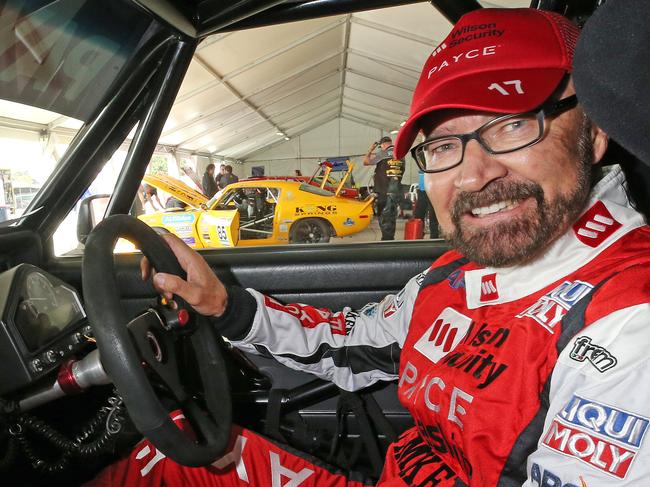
495	192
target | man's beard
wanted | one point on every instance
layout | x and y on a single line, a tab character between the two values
526	237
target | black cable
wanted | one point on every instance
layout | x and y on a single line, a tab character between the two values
9	458
101	430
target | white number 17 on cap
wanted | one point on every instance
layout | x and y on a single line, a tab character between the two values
501	88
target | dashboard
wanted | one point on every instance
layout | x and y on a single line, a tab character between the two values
43	324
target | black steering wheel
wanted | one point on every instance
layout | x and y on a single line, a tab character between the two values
151	342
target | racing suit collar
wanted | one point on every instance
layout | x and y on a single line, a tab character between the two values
608	217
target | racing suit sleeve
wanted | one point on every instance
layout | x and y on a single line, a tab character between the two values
352	348
598	418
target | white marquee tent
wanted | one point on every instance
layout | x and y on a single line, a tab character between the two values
285	97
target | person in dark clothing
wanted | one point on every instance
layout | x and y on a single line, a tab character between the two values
227	177
208	182
387	183
173	203
150	196
424	209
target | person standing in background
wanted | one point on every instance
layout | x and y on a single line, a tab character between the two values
227	177
217	178
387	183
208	182
424	210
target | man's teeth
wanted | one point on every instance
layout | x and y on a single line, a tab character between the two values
495	208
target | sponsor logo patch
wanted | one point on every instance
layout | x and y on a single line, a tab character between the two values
350	320
421	466
474	32
370	310
309	316
316	210
599	357
457	279
596	225
419	279
545	478
477	358
602	436
169	219
393	303
462	57
549	310
444	334
489	291
438	49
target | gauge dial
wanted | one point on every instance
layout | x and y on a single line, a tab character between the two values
40	292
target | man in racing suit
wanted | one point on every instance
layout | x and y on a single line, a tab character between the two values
517	354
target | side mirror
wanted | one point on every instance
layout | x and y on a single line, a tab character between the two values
91	211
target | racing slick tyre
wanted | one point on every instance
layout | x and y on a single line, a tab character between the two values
310	230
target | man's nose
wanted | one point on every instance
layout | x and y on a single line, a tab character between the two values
478	168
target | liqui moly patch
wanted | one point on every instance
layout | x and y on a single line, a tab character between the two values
549	310
602	436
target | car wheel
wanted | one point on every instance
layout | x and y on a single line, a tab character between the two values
310	230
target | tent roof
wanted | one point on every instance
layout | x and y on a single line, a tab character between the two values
247	90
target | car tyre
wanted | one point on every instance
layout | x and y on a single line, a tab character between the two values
310	230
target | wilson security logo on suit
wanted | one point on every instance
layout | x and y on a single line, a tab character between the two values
444	334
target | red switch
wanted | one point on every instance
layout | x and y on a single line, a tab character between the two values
183	317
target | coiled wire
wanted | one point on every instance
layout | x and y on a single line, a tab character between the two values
95	438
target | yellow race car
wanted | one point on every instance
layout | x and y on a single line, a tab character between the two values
259	212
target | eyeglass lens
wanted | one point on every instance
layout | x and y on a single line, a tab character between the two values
498	136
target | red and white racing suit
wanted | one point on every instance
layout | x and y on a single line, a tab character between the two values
529	375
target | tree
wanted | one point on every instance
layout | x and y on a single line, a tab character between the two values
158	164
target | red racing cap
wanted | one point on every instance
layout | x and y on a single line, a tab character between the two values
497	60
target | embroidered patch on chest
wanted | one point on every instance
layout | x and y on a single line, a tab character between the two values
444	334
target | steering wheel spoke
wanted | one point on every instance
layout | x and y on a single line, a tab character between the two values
158	350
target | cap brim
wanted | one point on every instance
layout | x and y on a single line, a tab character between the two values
472	92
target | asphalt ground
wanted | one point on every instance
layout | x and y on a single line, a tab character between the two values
373	233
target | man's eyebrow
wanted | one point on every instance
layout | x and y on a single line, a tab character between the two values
439	132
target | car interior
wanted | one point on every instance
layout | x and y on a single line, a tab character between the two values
76	330
256	210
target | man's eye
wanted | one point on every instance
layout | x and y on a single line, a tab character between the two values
514	125
438	149
444	148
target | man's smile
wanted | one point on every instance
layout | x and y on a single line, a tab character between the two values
494	208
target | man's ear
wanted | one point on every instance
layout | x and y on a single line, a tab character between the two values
600	142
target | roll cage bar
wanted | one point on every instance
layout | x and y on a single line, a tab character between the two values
199	19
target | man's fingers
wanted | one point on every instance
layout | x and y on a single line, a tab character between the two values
145	268
168	284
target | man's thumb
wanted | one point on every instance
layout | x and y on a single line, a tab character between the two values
168	283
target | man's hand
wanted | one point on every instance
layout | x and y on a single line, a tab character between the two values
366	158
202	290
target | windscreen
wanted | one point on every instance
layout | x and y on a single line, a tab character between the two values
59	61
63	55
